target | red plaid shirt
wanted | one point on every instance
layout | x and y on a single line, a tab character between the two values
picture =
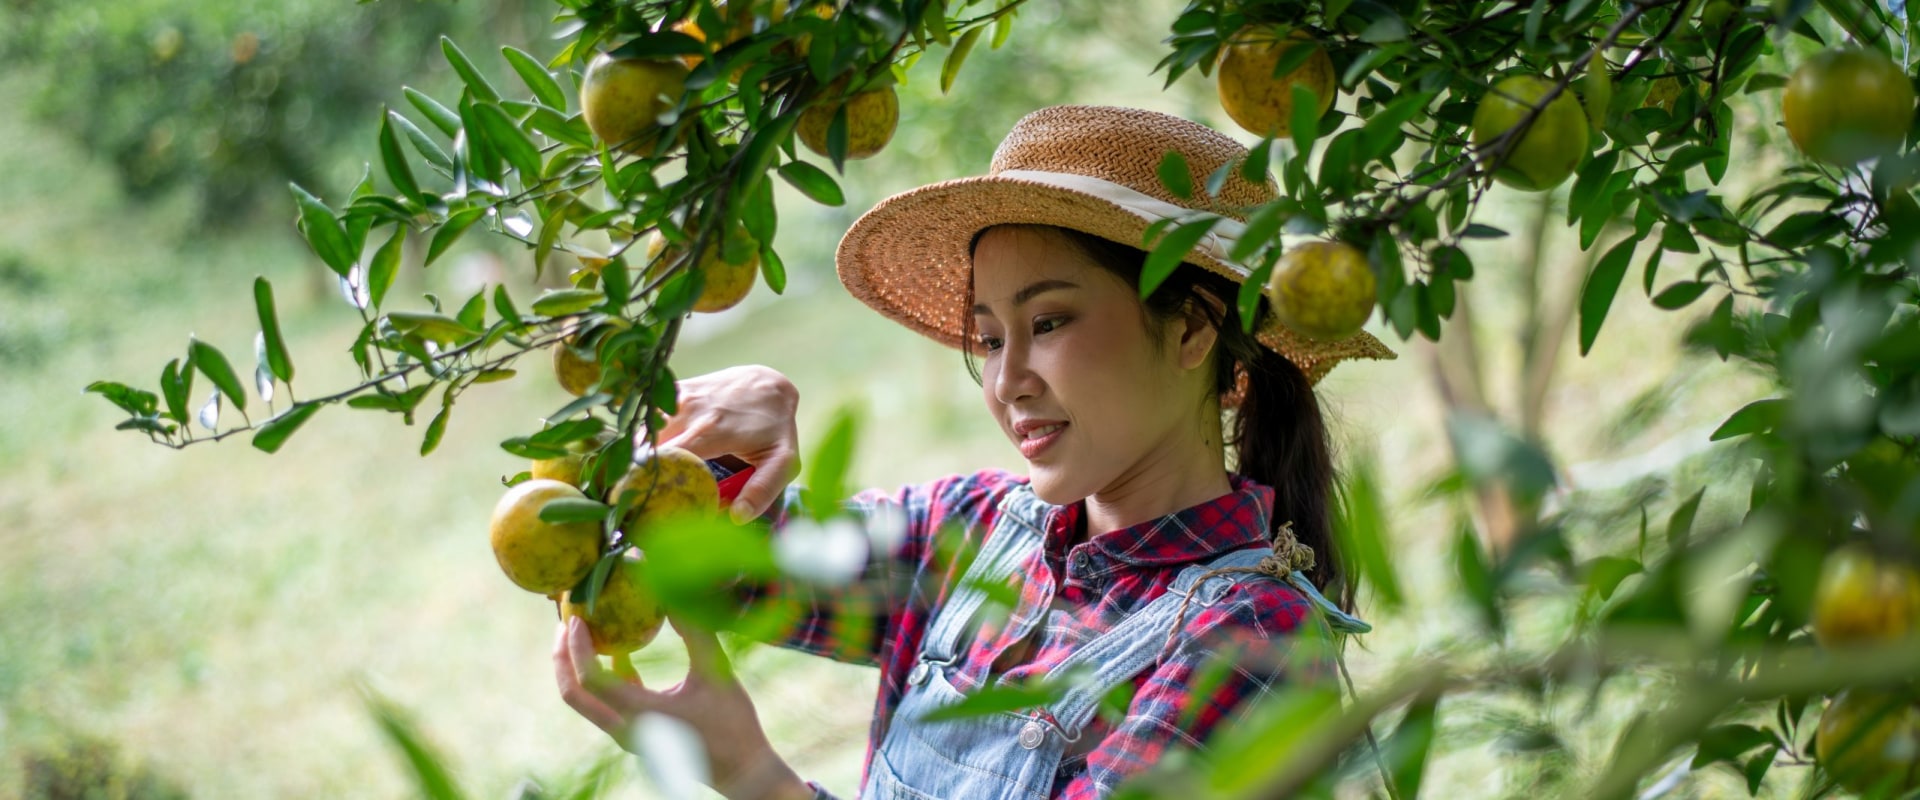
880	619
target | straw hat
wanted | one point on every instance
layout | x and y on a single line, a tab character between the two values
1088	168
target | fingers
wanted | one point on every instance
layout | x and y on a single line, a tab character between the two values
567	676
769	480
704	654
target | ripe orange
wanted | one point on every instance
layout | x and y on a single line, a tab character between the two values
539	556
1323	290
1551	147
1862	598
872	116
1870	742
623	99
666	483
626	616
723	284
1253	96
1846	105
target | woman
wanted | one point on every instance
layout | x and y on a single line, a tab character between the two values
1136	556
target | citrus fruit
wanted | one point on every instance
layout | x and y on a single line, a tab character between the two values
566	469
538	556
1861	598
623	99
1322	290
723	284
666	482
871	117
1550	148
740	23
576	358
626	616
1870	741
1847	104
1253	96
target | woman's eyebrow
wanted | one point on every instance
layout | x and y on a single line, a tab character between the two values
1021	297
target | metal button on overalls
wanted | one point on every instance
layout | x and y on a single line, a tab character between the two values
1032	735
919	674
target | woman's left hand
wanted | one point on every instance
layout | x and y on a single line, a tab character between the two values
742	764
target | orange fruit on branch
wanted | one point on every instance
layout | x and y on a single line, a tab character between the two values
1870	742
723	283
1846	105
665	483
1323	290
624	99
1862	598
1552	145
539	556
626	616
1260	101
872	116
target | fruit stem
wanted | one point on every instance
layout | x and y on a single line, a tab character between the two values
623	667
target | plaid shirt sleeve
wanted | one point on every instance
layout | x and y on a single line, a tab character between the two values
1242	653
856	622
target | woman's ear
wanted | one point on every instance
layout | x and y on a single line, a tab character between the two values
1197	332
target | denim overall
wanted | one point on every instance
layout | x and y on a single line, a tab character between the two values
1007	754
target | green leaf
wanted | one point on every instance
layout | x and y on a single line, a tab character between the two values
1587	185
441	116
432	327
384	266
457	223
1175	175
814	182
1260	230
175	386
505	137
1729	743
1475	576
1758	416
1681	523
772	269
1597	297
277	358
1360	523
214	365
274	432
473	313
996	699
1170	251
470	75
395	159
957	56
1407	749
545	88
561	129
1680	295
323	232
616	285
1805	228
436	429
559	302
426	146
1605	573
1305	120
429	767
574	509
831	460
503	304
133	401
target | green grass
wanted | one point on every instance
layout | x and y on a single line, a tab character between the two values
212	610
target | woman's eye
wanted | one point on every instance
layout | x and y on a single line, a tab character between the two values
989	343
1048	325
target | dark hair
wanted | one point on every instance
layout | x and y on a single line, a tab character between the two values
1278	436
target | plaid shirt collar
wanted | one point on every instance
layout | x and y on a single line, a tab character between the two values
1233	521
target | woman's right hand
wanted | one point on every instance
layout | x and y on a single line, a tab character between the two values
747	411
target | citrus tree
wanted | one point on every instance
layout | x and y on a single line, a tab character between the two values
641	161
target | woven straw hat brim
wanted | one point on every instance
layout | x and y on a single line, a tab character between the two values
907	257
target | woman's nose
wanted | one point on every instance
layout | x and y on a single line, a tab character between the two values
1016	379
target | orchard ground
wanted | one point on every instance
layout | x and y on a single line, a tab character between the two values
212	610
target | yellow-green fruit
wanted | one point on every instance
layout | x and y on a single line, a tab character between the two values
566	469
1253	96
577	371
1870	741
1861	598
1552	146
666	483
538	556
1846	105
871	117
626	616
1322	290
623	98
722	285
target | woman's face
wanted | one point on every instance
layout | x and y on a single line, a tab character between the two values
1065	343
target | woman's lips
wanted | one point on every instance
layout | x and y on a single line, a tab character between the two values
1034	446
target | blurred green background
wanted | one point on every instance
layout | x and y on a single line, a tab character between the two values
207	614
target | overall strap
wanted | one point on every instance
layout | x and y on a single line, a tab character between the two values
1016	534
1133	644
